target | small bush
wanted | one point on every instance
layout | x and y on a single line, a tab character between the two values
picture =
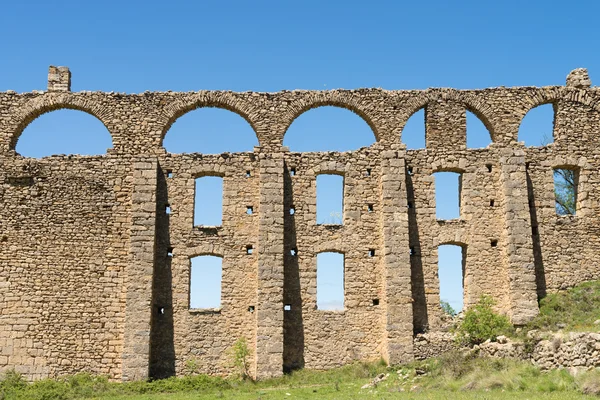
482	323
447	308
240	357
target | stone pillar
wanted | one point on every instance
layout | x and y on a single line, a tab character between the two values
269	310
445	125
397	294
59	79
522	290
138	311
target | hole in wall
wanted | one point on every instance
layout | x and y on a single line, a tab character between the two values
537	126
330	281
170	252
491	203
451	266
249	210
489	167
249	249
409	204
317	130
169	173
292	210
210	130
409	170
494	243
206	273
368	172
251	309
371	252
293	251
248	174
565	190
293	171
412	251
478	135
330	199
64	131
375	302
447	195
208	201
287	307
370	207
413	133
167	209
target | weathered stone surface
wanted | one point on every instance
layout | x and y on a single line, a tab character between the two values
94	275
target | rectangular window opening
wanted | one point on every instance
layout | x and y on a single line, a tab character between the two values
451	269
249	210
249	249
167	209
494	243
208	201
565	190
248	174
492	203
330	281
375	302
205	282
293	171
448	187
330	199
287	307
169	173
371	252
370	207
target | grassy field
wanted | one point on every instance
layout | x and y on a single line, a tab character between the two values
452	376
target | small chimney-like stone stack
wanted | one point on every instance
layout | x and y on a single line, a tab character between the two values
579	78
59	79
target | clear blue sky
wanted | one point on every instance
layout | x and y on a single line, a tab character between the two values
134	46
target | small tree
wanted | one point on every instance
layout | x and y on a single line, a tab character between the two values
447	308
240	357
565	191
482	323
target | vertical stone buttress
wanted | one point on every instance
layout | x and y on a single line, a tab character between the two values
398	318
136	346
269	310
522	290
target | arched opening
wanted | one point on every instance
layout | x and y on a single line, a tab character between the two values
64	131
210	130
537	126
448	187
328	128
330	281
478	136
206	273
451	271
208	201
413	133
330	199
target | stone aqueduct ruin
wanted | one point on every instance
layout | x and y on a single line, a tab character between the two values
94	275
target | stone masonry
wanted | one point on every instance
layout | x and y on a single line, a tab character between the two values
94	274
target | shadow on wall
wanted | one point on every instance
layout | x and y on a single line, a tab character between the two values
293	325
538	262
162	345
420	317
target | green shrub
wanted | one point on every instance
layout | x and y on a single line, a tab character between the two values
447	308
482	323
240	357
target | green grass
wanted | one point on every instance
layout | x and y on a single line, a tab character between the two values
453	376
577	309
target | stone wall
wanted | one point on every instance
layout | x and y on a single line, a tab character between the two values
94	274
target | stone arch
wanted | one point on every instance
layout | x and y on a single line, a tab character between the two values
47	103
472	103
340	99
204	249
225	101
